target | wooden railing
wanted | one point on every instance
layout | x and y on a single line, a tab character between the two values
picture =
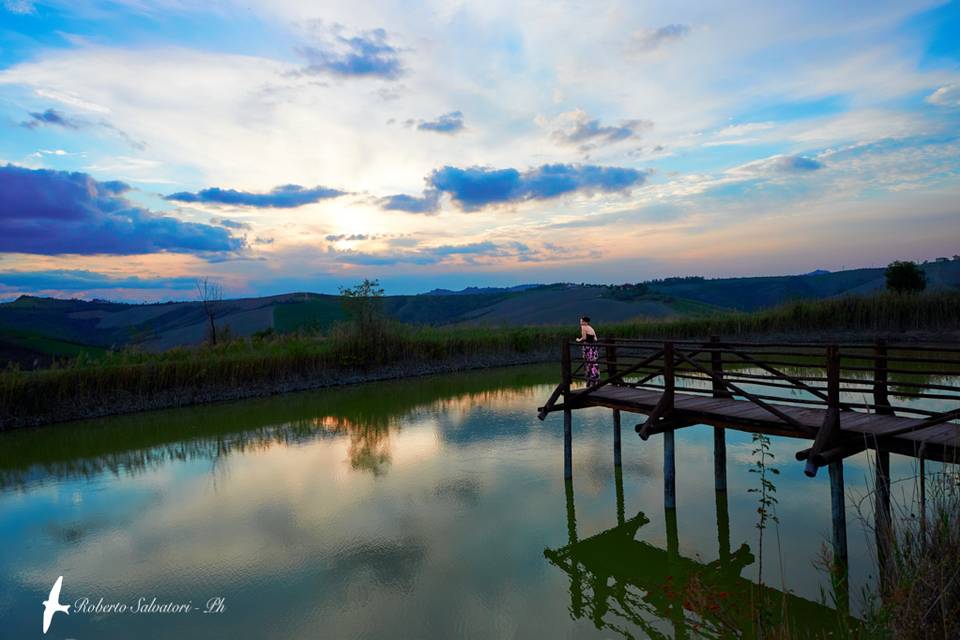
878	378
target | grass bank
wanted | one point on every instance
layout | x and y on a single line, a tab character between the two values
130	380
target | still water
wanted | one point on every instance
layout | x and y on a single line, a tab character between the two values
428	508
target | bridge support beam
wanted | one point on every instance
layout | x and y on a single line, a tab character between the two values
719	459
839	516
617	460
669	471
883	523
567	444
723	528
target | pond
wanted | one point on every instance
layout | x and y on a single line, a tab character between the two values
427	508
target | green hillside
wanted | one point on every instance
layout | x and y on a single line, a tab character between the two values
38	329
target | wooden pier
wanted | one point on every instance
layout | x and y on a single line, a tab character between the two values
845	398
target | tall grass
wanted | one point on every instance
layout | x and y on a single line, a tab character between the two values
127	375
919	597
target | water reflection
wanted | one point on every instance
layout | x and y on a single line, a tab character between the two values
418	509
616	579
136	443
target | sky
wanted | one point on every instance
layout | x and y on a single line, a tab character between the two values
283	145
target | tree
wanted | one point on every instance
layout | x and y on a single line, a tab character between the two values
904	276
363	304
210	294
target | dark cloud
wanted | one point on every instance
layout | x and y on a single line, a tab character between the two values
282	197
588	134
58	212
656	38
367	54
477	187
447	123
80	280
54	118
429	203
50	117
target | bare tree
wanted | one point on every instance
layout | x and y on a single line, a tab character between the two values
210	293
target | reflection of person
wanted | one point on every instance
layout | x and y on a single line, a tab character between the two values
591	352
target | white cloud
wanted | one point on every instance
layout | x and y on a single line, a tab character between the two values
946	96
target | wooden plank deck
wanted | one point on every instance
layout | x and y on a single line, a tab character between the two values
942	442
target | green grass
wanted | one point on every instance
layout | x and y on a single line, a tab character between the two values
135	374
35	341
311	314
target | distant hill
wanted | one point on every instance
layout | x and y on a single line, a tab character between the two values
36	329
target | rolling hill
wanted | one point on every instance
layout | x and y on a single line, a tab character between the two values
34	330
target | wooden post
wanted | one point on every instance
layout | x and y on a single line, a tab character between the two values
719	434
830	429
723	528
617	459
669	460
566	379
618	483
611	372
882	522
673	565
839	513
880	386
669	471
576	588
668	380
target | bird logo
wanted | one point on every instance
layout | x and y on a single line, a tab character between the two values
52	604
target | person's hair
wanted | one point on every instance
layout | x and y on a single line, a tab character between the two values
585	319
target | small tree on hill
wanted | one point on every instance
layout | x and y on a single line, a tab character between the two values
363	304
904	276
210	294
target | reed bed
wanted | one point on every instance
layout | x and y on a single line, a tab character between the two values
132	373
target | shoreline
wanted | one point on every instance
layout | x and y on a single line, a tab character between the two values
80	408
88	406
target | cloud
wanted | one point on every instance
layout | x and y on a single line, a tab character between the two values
780	165
429	203
57	212
946	96
19	6
447	123
54	118
470	253
229	224
477	187
366	54
80	280
282	197
746	128
349	238
50	117
576	128
653	39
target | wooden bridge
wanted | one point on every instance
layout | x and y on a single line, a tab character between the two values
845	398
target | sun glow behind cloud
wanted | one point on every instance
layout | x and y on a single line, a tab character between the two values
483	143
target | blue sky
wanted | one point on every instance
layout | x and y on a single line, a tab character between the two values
283	145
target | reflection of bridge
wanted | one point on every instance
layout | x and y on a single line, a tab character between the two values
778	389
617	580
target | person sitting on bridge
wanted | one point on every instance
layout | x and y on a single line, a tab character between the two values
591	352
